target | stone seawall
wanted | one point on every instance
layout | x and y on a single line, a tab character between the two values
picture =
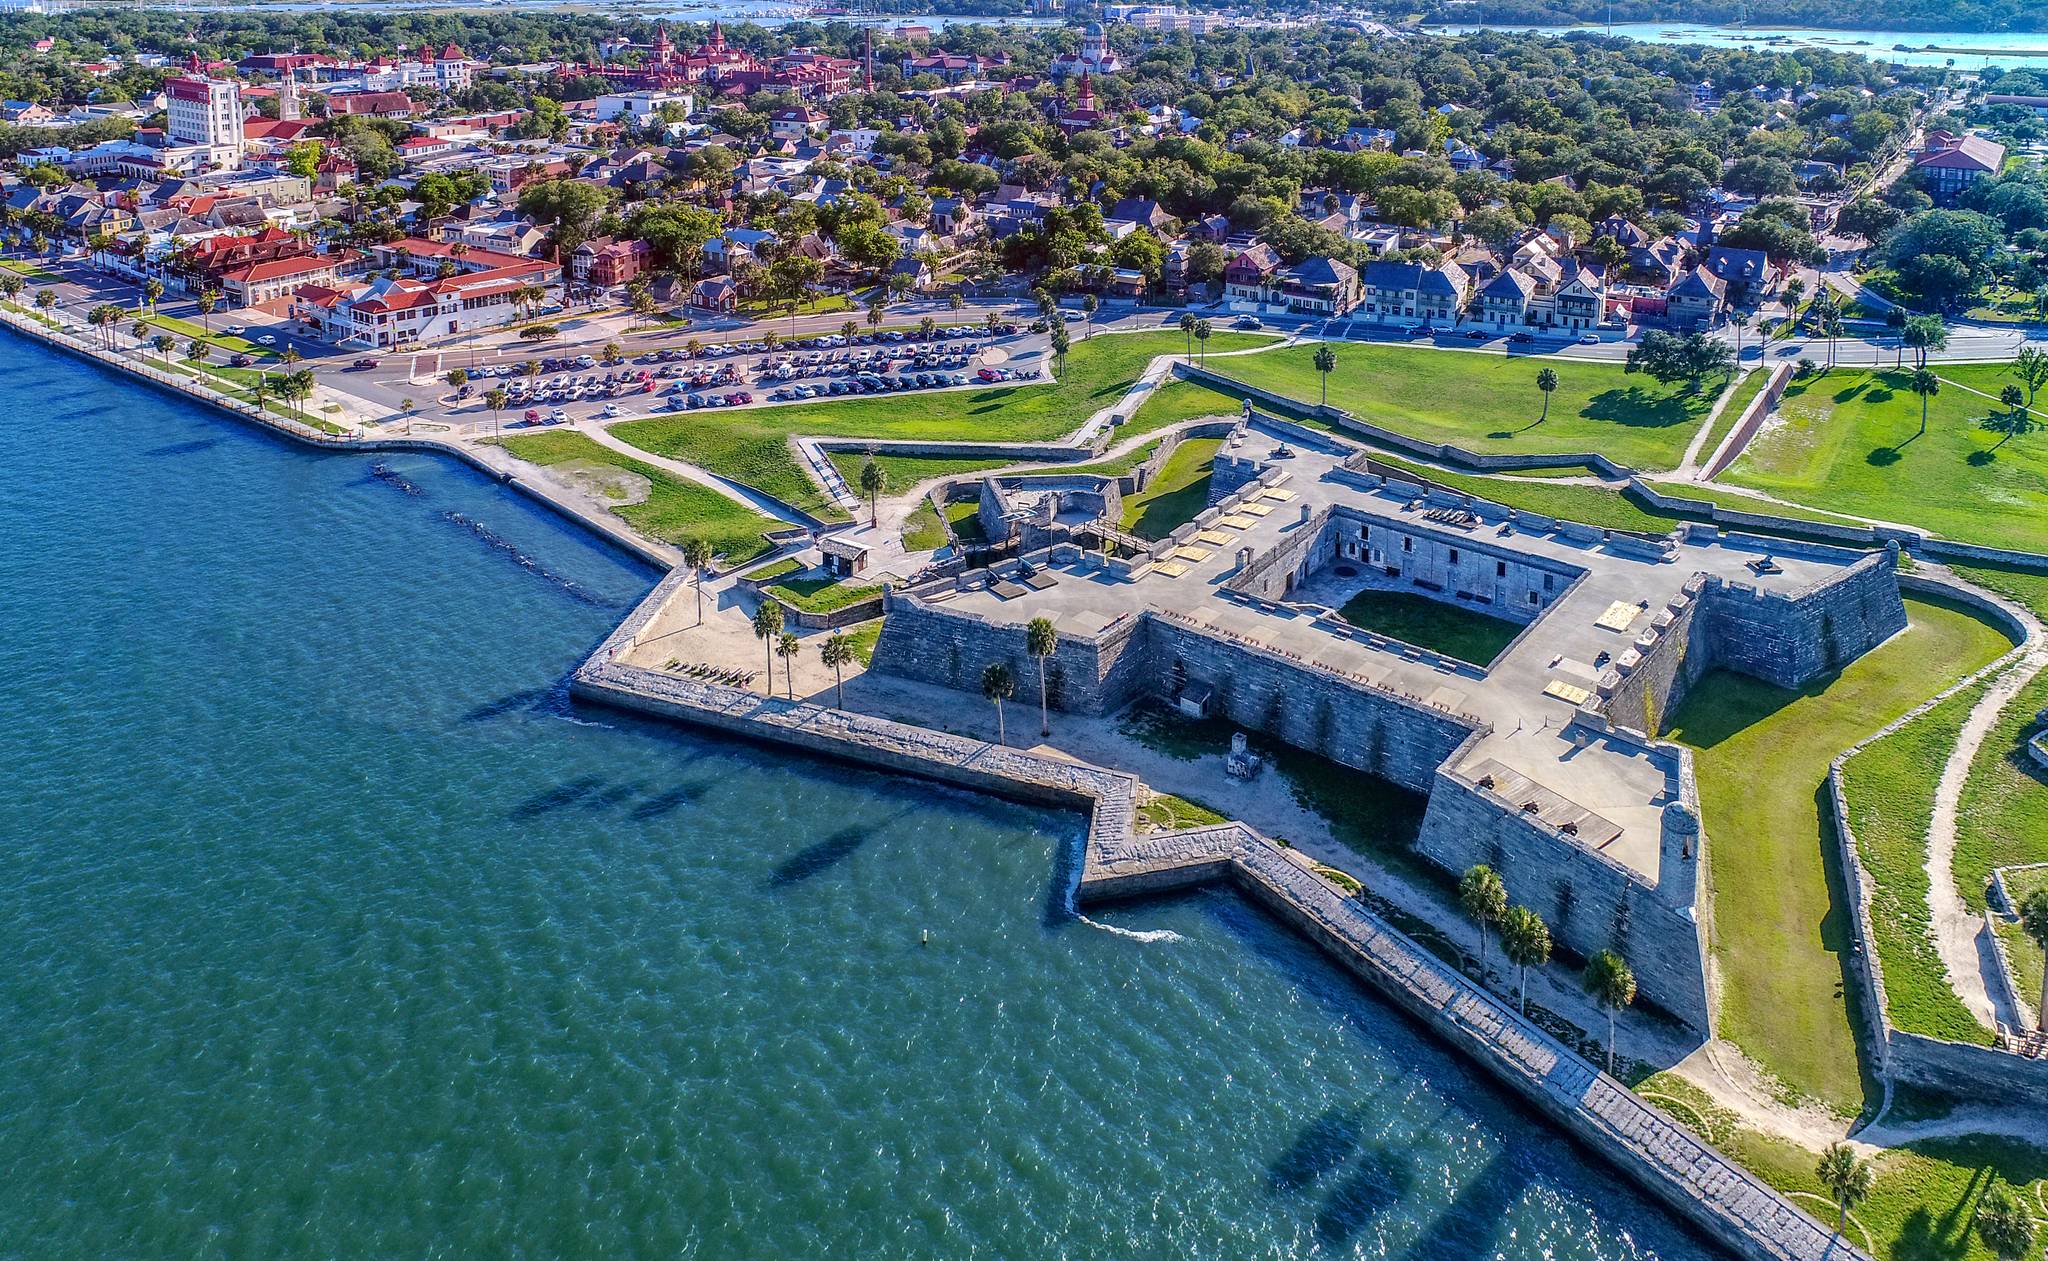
1717	1197
658	555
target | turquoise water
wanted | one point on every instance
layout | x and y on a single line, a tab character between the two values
332	930
2009	49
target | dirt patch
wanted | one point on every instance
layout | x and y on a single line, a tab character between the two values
615	487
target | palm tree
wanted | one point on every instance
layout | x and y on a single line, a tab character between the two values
289	358
768	625
998	686
1202	331
989	321
162	344
2004	1224
771	339
206	301
926	327
195	350
2034	919
152	289
1326	363
11	285
872	480
1847	1178
1926	385
1546	381
2014	400
45	299
1040	641
875	311
1739	322
1612	983
1525	940
613	352
697	555
1895	320
848	330
1187	328
694	348
1926	334
496	398
787	646
1485	899
1089	305
837	652
104	317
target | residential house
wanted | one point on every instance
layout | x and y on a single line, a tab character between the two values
607	262
1699	301
1413	291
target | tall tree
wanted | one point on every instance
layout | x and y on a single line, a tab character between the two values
1326	363
872	481
998	686
2031	367
1926	385
697	555
787	646
837	653
1546	381
1847	1178
767	626
1202	335
2004	1224
1485	900
1187	328
1612	983
1525	940
1040	641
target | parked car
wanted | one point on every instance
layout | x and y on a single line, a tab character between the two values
1590	339
243	361
1523	339
364	363
267	339
1247	322
612	411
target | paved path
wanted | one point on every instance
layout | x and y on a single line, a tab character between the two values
594	429
1959	933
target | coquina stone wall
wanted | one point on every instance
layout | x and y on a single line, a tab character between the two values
1790	639
1345	720
951	648
1591	902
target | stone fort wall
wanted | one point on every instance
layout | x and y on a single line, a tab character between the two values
1791	639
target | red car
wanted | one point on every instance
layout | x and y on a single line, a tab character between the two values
364	363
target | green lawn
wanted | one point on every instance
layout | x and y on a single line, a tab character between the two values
2003	815
906	471
751	445
1168	813
1848	443
1176	401
813	592
1459	631
1890	790
862	639
965	518
922	529
1177	494
30	270
1488	402
1922	1201
673	510
1748	388
1761	757
188	329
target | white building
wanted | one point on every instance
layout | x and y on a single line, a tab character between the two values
206	114
637	107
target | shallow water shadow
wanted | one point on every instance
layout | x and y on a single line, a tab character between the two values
665	803
193	447
1377	1184
561	797
510	704
822	856
1323	1144
1474	1219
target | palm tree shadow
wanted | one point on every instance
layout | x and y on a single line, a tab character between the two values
816	859
1376	1184
1478	1213
1885	457
1323	1145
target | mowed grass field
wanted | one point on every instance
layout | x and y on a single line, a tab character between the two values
1761	755
1490	403
751	445
673	510
1177	494
1848	441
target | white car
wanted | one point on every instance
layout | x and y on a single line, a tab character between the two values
267	340
612	411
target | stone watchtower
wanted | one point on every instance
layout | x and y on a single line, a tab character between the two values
1678	858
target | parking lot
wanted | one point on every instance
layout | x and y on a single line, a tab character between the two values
738	374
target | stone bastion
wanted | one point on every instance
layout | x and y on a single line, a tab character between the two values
1543	762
